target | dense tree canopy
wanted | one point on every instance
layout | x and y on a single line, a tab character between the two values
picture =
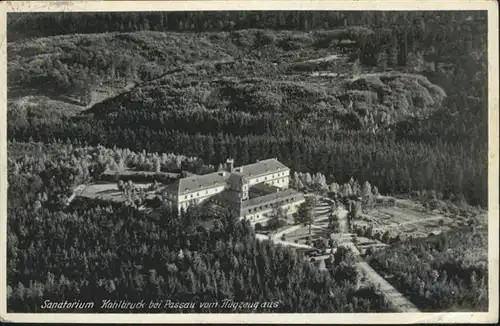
400	131
91	251
437	275
355	103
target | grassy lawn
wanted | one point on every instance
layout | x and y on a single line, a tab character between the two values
108	191
302	234
273	232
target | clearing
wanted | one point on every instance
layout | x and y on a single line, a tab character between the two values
110	192
405	218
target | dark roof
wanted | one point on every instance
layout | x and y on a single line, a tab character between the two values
172	187
200	182
271	198
237	178
261	167
223	196
264	188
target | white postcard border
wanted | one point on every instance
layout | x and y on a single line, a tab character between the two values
355	318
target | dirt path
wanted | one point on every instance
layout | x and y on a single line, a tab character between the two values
398	301
77	191
286	231
325	59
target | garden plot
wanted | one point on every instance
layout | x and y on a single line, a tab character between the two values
406	218
301	233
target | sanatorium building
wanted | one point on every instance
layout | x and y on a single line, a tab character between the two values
251	191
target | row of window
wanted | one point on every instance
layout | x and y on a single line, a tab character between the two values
207	192
258	216
278	181
189	202
210	191
268	206
282	174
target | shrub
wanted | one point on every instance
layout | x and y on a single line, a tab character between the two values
369	251
395	239
369	232
385	237
263	38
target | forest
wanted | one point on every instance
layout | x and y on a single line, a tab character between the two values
411	128
95	251
396	99
436	275
395	166
92	252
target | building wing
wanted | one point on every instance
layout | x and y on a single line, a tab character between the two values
261	168
200	182
274	198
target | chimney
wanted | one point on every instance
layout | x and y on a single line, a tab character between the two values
230	165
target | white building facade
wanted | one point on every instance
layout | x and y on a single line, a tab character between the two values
233	186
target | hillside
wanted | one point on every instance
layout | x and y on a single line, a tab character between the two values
215	89
211	71
97	250
348	101
83	69
109	59
74	64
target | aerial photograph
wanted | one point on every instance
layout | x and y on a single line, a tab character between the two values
247	162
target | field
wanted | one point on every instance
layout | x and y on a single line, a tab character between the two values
405	218
109	191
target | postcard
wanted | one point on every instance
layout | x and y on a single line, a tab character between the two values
249	161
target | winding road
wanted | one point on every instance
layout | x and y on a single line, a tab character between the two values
397	301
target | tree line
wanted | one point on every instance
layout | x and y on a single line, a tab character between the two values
80	22
394	165
411	29
91	251
438	274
